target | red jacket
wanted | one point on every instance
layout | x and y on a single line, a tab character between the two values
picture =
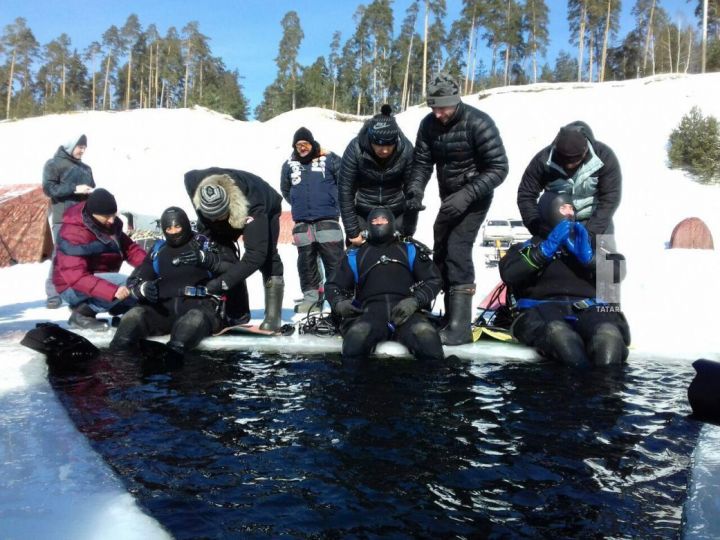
84	249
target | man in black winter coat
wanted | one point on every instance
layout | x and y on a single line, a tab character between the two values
172	296
465	146
378	292
375	172
577	164
553	278
230	203
67	181
308	182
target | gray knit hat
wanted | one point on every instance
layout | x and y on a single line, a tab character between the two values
443	91
214	202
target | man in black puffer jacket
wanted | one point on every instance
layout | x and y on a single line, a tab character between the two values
230	203
375	172
577	164
469	155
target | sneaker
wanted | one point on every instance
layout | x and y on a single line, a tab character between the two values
79	318
53	302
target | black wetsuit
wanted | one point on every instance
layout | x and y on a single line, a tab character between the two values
379	288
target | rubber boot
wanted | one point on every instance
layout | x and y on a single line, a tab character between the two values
607	346
274	288
458	330
311	302
83	316
564	344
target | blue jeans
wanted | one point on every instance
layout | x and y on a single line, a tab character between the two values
73	298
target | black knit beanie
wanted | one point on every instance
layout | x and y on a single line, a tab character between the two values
101	202
570	145
303	134
383	129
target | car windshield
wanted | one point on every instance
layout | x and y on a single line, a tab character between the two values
516	223
498	223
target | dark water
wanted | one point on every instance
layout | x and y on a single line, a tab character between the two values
245	446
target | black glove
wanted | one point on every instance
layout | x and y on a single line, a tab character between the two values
196	257
403	310
346	309
455	204
413	201
146	290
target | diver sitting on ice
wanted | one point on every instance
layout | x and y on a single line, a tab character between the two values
172	296
554	282
379	290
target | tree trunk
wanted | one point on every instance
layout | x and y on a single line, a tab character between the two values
10	86
129	78
424	81
679	49
687	60
294	84
162	93
653	54
404	99
474	60
534	43
669	49
333	96
187	76
603	58
703	39
648	36
581	40
157	75
591	57
469	53
62	87
107	82
150	78
359	99
374	86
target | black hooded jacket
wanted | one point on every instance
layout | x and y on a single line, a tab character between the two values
252	207
366	183
468	153
61	175
541	172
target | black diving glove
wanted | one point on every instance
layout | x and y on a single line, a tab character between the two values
346	309
403	310
413	201
196	257
146	290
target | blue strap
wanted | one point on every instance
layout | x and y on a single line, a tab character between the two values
411	252
154	255
352	261
527	303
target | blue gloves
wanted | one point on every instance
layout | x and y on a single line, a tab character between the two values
579	244
557	237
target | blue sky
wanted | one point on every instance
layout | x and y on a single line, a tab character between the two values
246	33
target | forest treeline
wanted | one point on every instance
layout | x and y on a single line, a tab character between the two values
492	43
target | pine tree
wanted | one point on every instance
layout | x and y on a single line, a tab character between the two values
535	16
21	48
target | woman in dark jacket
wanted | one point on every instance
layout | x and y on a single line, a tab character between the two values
67	181
375	172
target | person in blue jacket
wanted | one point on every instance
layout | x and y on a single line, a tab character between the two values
308	182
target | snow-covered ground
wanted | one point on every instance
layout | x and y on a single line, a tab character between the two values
670	297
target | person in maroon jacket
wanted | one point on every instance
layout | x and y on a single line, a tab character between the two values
91	248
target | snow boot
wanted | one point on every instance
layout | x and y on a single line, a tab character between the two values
458	330
564	344
607	346
53	302
83	316
274	288
311	301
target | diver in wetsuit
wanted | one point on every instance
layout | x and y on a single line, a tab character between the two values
379	290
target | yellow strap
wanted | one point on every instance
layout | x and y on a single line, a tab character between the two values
499	335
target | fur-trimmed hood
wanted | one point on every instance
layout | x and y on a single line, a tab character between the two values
239	205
